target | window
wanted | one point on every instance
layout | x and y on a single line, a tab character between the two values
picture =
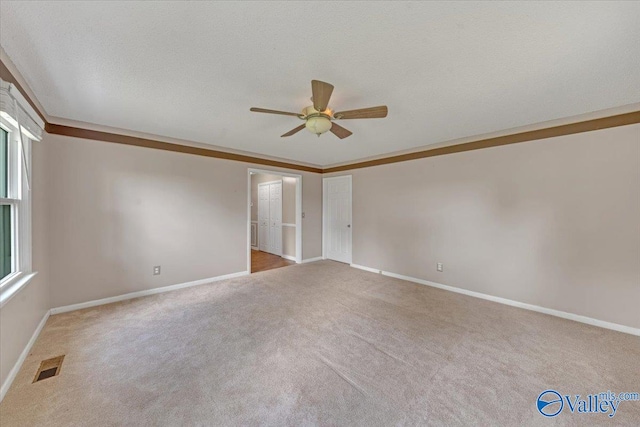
6	242
17	130
15	208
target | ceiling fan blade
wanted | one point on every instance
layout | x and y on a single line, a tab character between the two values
264	110
363	113
339	131
292	131
321	94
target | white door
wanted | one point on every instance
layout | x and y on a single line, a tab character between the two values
270	217
275	218
337	198
263	217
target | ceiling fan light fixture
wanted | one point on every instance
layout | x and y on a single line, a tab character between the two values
318	125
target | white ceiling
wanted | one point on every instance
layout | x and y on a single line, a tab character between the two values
446	70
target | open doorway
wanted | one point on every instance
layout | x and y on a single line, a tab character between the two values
274	230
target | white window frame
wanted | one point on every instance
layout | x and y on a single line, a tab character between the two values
19	198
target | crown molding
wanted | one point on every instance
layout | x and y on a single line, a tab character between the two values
629	108
623	119
100	128
166	146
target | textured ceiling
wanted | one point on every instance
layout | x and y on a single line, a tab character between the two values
191	70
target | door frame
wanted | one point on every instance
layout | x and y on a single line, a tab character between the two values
298	178
325	205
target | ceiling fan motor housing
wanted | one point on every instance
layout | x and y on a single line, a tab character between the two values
317	122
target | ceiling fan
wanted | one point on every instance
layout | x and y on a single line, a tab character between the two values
319	118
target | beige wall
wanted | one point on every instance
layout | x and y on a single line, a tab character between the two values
21	315
288	200
289	241
555	222
119	210
289	216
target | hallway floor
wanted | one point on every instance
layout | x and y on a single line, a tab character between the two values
262	261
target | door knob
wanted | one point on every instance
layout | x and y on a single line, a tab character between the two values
348	225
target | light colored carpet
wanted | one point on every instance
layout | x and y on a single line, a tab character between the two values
317	344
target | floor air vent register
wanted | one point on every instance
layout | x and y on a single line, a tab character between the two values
49	368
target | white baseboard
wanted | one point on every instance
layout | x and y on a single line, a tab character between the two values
289	257
255	248
153	291
550	311
16	368
369	269
318	258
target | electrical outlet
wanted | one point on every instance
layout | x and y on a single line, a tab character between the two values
156	270
439	266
